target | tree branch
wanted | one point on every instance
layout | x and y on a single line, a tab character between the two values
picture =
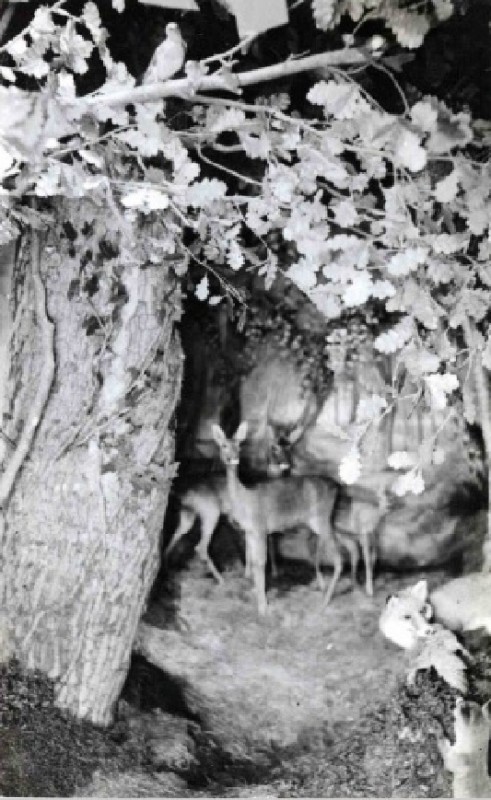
217	83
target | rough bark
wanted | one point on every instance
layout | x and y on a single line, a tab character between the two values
81	526
484	415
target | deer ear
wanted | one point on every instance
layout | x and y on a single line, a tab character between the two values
420	591
218	434
241	432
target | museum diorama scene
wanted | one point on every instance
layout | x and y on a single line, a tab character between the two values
245	399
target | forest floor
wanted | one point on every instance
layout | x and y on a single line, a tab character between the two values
307	702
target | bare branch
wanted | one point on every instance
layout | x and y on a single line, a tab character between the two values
185	87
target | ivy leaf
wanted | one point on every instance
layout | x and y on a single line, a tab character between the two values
439	650
146	200
202	289
425	115
235	256
409	28
382	290
16	47
401	459
42	24
448	243
75	49
49	182
230	119
326	302
7	74
447	189
409	153
369	408
339	100
345	213
395	338
405	262
303	274
410	482
453	130
439	386
205	192
36	67
419	361
323	12
256	146
350	467
92	20
443	9
358	292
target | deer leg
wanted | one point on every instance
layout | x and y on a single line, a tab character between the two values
257	547
208	525
248	565
338	568
367	558
186	522
318	554
272	555
352	548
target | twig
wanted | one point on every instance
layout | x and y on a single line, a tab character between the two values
5	20
245	42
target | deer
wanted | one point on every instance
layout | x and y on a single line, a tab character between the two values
207	501
275	506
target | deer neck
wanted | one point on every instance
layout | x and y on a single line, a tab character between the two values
236	490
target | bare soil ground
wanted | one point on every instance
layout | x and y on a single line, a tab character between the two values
304	703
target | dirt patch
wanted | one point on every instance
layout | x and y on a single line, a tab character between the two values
304	703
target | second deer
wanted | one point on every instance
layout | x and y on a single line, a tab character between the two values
274	506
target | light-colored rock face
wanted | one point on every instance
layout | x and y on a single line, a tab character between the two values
413	531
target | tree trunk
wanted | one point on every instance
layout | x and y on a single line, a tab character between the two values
83	509
481	382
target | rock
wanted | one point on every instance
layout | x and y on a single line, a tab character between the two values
169	743
134	784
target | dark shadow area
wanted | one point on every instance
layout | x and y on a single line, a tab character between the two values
47	753
148	687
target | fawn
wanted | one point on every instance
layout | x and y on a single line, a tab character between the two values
463	604
277	505
208	500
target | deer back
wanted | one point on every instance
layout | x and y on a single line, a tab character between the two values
286	502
